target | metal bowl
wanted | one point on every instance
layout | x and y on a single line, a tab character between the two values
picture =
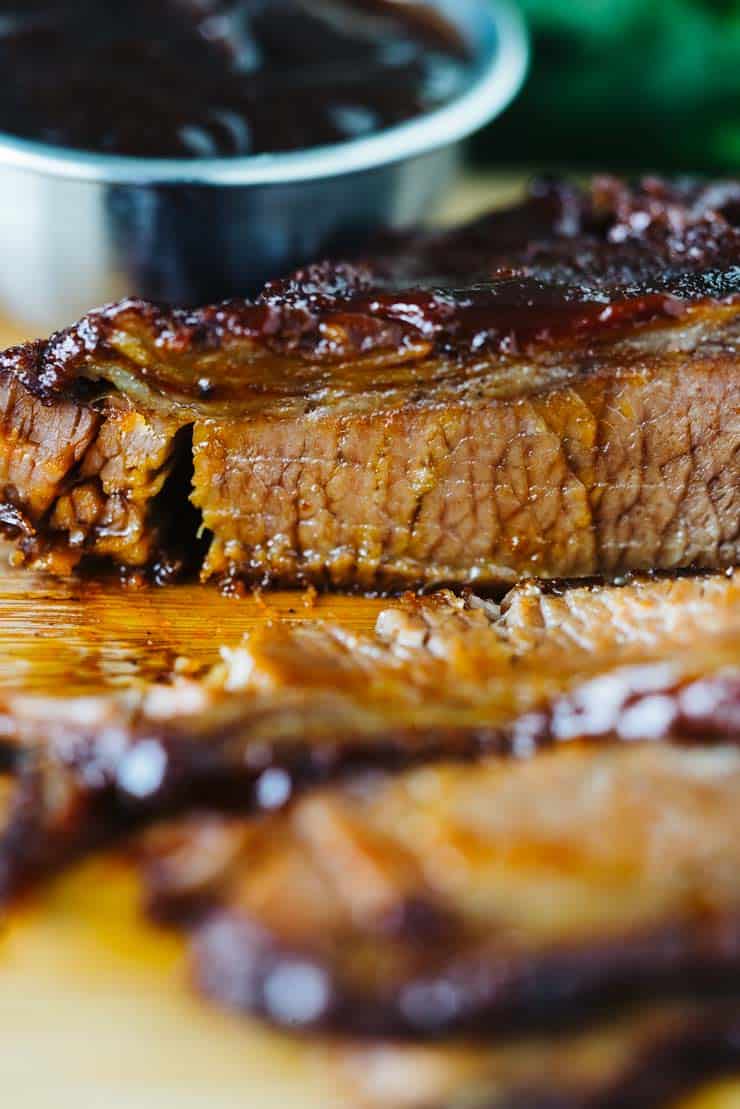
79	229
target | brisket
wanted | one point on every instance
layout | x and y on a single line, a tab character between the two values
643	1058
648	1060
488	900
443	678
81	479
551	391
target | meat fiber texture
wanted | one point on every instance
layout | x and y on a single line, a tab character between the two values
551	391
443	678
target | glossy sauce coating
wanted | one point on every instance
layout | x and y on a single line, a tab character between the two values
565	269
206	78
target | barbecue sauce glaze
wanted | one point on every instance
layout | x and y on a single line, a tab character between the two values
568	266
207	78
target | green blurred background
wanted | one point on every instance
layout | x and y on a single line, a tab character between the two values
626	84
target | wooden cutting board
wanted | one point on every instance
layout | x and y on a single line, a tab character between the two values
95	1007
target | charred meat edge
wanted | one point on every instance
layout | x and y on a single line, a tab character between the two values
541	286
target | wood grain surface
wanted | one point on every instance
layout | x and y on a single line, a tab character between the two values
73	636
95	1007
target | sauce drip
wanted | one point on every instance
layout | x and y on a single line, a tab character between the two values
220	78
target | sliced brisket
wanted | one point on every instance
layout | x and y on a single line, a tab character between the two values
444	677
647	1060
644	1058
552	390
487	899
81	479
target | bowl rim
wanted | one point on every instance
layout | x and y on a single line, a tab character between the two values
501	64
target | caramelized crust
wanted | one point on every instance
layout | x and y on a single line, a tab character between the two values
552	391
565	267
82	480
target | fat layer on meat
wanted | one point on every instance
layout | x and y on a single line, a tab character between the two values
550	391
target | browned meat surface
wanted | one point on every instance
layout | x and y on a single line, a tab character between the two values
552	391
490	898
443	677
647	1060
643	1059
79	479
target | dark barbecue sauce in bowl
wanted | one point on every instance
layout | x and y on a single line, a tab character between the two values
220	78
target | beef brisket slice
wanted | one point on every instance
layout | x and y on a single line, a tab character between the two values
444	677
551	391
647	1060
79	479
485	898
644	1058
629	468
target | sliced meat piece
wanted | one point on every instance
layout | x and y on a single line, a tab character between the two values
551	391
542	622
40	445
486	899
647	1060
445	677
634	465
442	676
642	1059
81	479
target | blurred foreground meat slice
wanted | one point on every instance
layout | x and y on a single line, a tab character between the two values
647	1059
488	899
551	391
443	678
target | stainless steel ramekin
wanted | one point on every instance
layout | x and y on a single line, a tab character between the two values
79	229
